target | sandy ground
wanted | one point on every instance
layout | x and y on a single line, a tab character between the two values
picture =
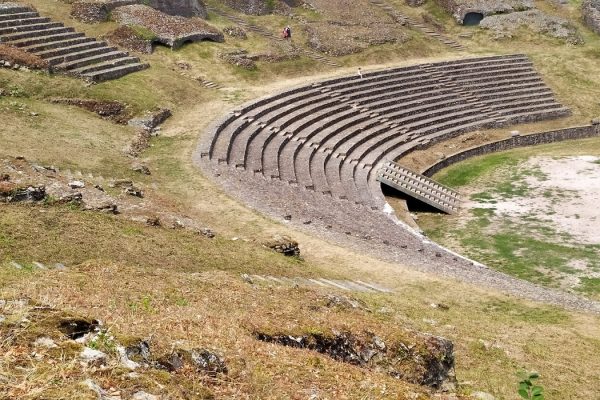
565	194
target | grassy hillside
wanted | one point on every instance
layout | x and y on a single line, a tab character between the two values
180	289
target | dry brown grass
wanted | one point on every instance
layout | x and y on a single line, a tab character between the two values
174	286
15	55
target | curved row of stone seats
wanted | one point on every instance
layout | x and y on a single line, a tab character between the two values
64	49
329	137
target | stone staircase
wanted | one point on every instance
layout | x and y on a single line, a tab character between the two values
419	187
401	18
65	50
348	285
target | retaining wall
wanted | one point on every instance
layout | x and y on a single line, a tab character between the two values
578	132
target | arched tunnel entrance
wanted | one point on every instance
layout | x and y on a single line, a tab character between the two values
472	19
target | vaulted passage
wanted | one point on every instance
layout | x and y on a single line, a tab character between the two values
472	19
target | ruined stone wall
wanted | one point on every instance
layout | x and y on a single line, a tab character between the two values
579	132
591	14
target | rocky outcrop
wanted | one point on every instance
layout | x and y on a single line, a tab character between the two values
258	7
505	25
183	8
92	11
422	359
172	31
591	14
460	8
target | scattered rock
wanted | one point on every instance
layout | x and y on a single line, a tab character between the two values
247	279
236	32
207	232
102	394
76	184
153	221
482	396
138	352
93	357
239	58
45	342
284	245
172	362
143	396
134	191
345	302
124	359
14	194
208	362
201	360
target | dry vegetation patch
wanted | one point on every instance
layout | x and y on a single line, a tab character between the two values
14	55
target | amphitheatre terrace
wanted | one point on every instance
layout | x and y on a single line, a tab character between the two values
313	154
391	199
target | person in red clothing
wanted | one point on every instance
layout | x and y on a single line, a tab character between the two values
287	32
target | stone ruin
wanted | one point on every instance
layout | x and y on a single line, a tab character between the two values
591	14
469	10
91	11
172	31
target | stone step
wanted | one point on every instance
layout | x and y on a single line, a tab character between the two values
68	48
46	49
80	65
37	34
114	61
21	15
81	55
22	28
114	72
48	40
6	9
23	21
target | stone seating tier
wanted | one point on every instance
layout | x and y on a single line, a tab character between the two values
65	50
330	137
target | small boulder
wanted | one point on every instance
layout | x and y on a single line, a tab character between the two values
208	362
76	184
141	168
93	357
45	342
143	396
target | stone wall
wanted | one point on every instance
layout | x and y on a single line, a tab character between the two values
533	139
591	14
